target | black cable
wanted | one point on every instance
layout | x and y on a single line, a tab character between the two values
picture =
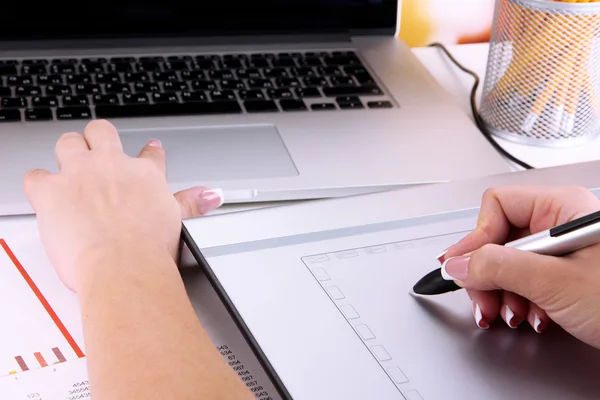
478	120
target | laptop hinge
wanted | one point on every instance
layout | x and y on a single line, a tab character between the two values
174	42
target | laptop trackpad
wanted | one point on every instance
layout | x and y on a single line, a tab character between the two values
217	153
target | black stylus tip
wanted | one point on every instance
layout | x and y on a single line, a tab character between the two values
434	283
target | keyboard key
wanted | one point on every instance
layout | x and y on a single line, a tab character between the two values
91	67
165	76
352	90
292	105
252	94
175	86
16	80
34	69
284	62
194	75
203	64
47	101
150	110
14	102
152	59
310	62
315	81
355	69
253	106
258	63
179	58
330	71
275	73
227	63
341	81
204	85
119	67
304	72
117	88
175	66
147	66
28	91
38	114
100	60
364	79
260	83
87	88
322	106
79	78
248	73
221	74
308	92
8	70
33	61
193	96
136	77
64	61
146	87
63	69
50	80
5	91
232	84
165	98
122	60
280	94
347	99
73	113
10	115
351	105
341	60
105	99
77	100
379	104
110	77
287	82
135	98
220	95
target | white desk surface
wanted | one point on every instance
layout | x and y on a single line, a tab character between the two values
459	84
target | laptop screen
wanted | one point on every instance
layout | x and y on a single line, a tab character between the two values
62	20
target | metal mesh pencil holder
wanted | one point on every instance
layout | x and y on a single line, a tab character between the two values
542	83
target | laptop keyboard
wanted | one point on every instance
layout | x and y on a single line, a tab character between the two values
121	87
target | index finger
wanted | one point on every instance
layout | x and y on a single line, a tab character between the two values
101	134
530	208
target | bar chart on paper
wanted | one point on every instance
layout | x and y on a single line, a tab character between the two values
40	332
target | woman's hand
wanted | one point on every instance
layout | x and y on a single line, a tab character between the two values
520	285
103	200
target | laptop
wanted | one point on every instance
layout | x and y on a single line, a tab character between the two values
272	100
323	294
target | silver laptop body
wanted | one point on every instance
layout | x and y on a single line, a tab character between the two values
276	100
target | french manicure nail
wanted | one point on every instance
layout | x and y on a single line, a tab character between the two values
536	324
440	258
509	315
210	199
455	268
479	317
155	143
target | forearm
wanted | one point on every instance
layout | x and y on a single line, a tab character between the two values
142	337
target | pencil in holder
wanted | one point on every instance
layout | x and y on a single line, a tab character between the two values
543	73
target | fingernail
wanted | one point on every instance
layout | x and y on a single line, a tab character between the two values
479	317
210	199
440	258
455	268
509	315
155	143
536	324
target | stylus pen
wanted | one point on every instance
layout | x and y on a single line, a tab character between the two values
560	240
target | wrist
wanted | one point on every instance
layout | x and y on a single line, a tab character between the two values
120	259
